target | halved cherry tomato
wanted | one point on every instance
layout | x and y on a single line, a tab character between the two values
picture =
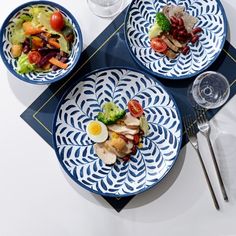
57	21
158	45
136	139
34	57
135	108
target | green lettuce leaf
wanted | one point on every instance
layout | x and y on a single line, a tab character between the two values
23	65
42	18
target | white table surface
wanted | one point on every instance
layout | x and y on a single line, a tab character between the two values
38	199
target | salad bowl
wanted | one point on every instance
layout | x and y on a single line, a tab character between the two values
39	76
81	105
211	19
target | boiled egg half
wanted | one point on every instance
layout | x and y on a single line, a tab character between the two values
97	131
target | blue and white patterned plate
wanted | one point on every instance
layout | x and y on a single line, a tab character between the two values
211	18
75	151
39	77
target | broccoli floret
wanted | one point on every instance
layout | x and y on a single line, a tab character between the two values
163	22
111	113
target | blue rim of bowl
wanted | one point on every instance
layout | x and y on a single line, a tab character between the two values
177	77
49	3
83	79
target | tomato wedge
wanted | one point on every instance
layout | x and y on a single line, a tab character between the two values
57	21
34	57
136	139
158	45
135	108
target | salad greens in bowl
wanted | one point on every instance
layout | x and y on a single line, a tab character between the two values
41	42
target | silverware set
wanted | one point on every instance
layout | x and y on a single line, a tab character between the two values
192	125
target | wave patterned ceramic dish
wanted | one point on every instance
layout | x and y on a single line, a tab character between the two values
211	18
39	77
75	150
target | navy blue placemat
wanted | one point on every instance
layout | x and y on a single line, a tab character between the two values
109	49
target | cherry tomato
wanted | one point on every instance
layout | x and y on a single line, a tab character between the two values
135	108
158	45
136	139
34	57
57	21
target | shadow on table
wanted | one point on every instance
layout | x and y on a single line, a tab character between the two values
142	198
226	162
161	188
93	198
223	144
24	92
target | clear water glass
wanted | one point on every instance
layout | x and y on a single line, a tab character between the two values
210	90
105	8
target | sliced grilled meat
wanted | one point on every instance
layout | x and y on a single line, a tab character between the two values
104	154
175	42
170	44
122	129
170	54
131	122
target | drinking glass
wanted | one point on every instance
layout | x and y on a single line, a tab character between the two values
105	8
209	90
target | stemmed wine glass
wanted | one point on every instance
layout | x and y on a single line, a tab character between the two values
105	8
209	90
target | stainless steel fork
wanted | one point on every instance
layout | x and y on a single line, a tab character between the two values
204	127
191	131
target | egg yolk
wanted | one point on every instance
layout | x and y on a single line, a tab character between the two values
94	128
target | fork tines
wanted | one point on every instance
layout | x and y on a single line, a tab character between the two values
191	131
200	113
190	126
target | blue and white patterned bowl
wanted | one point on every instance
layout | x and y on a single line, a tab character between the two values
75	150
211	18
39	77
